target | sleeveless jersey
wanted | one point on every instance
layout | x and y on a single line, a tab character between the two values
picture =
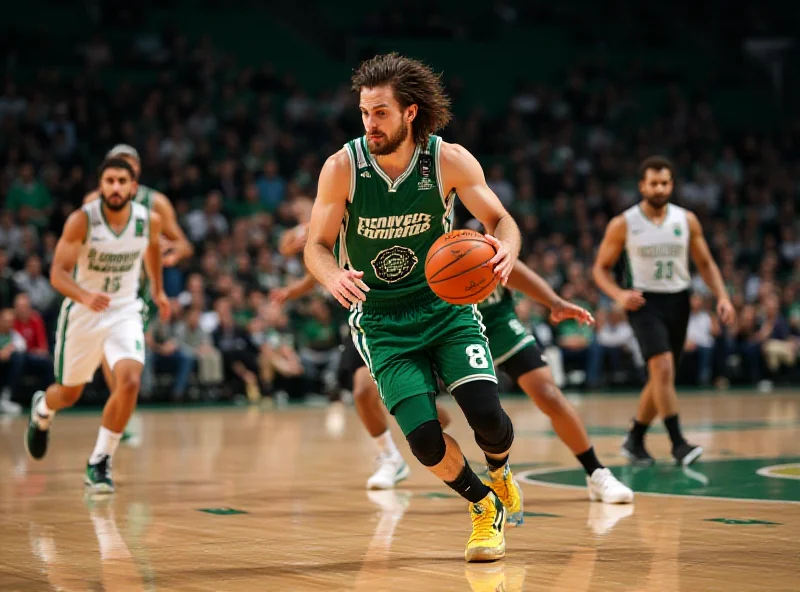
145	196
110	262
657	255
499	296
388	225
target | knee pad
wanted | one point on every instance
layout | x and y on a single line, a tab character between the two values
481	406
427	443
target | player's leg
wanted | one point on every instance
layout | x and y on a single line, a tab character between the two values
129	435
393	350
529	370
124	350
78	353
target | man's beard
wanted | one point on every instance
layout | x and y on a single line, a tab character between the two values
115	207
657	202
390	144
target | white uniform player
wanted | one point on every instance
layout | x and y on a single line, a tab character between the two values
97	267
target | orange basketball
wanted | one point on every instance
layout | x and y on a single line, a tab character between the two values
457	267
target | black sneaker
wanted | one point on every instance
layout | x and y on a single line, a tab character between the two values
98	477
685	454
636	453
35	437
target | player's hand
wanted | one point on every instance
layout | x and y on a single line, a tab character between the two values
347	287
566	310
280	295
631	300
97	301
164	308
726	312
170	259
503	261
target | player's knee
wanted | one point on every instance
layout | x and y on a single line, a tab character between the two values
661	368
71	394
129	383
547	397
363	388
427	443
480	403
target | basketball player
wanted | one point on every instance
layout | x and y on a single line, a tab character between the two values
657	238
516	352
386	197
97	267
175	249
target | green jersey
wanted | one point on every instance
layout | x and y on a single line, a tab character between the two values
388	225
146	196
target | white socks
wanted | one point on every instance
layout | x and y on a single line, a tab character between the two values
43	414
107	442
386	445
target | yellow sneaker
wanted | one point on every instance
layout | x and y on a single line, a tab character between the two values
488	541
507	489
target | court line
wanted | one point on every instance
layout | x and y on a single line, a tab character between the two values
526	477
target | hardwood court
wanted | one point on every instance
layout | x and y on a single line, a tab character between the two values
237	499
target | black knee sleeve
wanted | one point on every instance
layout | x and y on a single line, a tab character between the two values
427	443
481	406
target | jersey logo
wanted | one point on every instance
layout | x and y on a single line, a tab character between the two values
139	226
366	175
395	263
678	230
425	184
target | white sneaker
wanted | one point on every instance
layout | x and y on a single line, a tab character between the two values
605	487
9	407
391	470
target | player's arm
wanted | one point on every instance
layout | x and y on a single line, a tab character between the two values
326	219
180	247
462	172
90	197
701	255
154	267
297	289
525	280
65	258
607	256
293	240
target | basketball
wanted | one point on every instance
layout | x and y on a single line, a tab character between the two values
457	267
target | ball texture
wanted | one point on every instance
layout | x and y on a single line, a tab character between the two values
457	267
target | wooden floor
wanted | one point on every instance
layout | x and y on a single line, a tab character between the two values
289	510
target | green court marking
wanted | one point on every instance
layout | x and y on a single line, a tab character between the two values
732	426
734	479
740	522
222	511
541	515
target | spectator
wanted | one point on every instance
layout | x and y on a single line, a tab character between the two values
748	343
42	295
318	337
614	339
30	197
29	324
271	186
282	365
196	343
239	353
209	221
12	352
775	336
700	336
164	352
576	341
8	287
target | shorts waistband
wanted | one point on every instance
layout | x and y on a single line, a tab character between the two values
416	299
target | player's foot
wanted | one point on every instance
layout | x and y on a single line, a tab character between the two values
685	454
507	489
35	437
391	470
488	540
636	453
98	477
605	487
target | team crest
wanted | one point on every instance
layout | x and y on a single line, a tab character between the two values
395	263
425	184
678	230
139	226
366	175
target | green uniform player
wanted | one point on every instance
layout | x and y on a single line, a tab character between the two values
145	196
387	197
507	335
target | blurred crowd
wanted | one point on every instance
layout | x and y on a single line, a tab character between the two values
238	152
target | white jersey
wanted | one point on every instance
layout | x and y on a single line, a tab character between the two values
658	254
111	262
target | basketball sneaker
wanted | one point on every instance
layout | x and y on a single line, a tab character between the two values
605	487
487	541
98	477
36	437
507	489
636	453
391	470
685	454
